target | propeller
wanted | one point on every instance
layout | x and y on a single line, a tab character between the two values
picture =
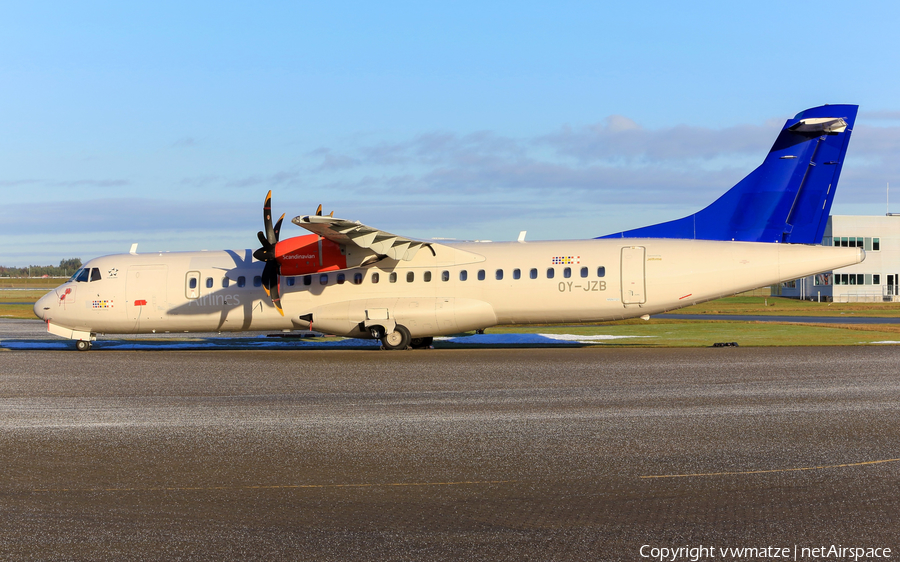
271	275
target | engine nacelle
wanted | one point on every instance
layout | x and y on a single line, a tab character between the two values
310	253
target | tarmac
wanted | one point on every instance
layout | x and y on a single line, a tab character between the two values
478	454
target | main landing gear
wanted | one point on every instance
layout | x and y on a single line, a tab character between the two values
399	338
83	345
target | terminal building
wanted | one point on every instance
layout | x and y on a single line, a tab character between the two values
873	280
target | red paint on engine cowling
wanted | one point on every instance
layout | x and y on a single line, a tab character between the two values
300	255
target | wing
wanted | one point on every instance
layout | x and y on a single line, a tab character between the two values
354	233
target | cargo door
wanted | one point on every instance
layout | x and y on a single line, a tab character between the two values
633	276
145	292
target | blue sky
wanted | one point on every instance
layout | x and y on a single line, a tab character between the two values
166	123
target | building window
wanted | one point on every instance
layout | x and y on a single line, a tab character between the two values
822	280
499	275
410	276
533	273
481	275
426	277
789	284
463	274
375	277
876	279
445	275
550	272
876	244
517	273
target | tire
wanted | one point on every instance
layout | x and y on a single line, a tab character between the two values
398	339
421	343
82	345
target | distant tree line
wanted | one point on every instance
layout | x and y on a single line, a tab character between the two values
65	269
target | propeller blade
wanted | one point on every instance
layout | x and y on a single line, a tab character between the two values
276	295
278	227
267	218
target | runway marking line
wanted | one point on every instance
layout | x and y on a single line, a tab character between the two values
274	486
771	470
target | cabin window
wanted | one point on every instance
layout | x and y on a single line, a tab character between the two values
209	282
567	272
257	281
225	282
426	277
192	283
341	278
357	278
393	277
463	274
498	275
481	275
584	272
410	276
307	280
550	272
517	273
445	275
242	281
375	277
290	281
533	273
601	271
323	279
95	274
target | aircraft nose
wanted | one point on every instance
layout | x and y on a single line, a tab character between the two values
41	304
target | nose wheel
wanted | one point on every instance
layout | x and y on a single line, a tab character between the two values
83	345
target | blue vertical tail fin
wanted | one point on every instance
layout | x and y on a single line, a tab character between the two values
787	198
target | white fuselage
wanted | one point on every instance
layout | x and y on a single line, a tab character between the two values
458	287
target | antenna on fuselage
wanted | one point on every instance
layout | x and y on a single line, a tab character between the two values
133	250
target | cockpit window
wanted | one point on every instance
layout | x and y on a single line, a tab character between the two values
95	274
82	275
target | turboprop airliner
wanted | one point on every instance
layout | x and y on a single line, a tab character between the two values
349	279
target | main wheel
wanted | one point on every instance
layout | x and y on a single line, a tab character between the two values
398	339
82	345
421	343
